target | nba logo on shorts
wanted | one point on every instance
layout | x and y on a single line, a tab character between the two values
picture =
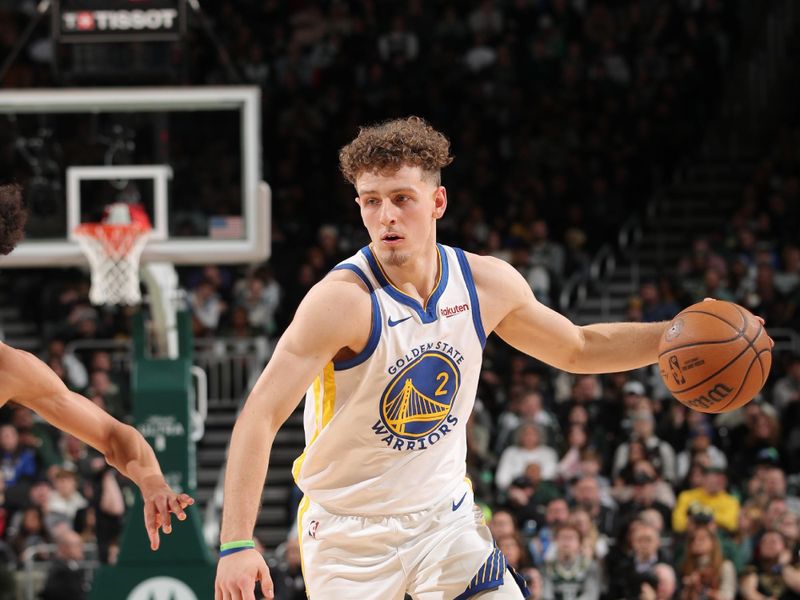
312	529
419	398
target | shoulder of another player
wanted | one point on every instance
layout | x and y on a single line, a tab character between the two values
24	377
13	360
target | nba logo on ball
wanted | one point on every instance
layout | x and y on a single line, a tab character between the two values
162	588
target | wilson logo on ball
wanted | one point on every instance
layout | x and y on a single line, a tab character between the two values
711	397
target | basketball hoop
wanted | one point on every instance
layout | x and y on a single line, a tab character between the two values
113	248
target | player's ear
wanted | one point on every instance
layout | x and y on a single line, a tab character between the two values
439	202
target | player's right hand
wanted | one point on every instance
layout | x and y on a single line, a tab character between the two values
237	575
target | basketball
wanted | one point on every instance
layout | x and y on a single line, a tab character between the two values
715	356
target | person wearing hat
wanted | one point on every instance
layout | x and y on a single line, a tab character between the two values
711	494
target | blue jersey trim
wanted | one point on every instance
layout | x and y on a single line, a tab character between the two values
357	271
375	332
430	313
473	295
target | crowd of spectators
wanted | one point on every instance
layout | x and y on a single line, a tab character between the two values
58	499
571	112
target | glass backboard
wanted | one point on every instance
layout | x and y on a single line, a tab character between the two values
190	156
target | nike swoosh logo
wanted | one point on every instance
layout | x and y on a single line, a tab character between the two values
393	323
460	502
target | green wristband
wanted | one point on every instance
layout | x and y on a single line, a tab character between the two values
236	545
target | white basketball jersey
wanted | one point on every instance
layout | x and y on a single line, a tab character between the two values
386	430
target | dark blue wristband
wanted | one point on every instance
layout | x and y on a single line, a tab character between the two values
233	551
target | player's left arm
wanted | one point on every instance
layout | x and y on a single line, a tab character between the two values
29	382
510	309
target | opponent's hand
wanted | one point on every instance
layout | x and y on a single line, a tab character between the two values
237	575
159	501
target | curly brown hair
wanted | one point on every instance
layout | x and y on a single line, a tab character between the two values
12	217
394	144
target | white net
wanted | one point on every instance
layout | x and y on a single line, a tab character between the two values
113	252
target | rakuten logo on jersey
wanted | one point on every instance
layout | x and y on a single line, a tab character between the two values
452	311
120	20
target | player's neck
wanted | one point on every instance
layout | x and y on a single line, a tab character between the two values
418	276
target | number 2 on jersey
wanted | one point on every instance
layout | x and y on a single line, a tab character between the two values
444	377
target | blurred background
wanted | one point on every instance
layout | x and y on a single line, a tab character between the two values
628	157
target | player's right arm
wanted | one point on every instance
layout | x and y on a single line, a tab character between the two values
336	314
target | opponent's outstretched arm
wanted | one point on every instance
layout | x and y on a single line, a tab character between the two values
510	309
327	320
28	381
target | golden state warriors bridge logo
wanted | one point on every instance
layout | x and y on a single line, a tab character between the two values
415	407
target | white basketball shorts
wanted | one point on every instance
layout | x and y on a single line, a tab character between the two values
442	553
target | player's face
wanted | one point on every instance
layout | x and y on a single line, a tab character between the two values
399	211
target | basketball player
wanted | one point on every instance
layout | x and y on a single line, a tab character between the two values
389	346
26	380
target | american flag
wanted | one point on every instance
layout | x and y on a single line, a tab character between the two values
226	228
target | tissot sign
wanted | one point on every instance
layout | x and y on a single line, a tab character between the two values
118	20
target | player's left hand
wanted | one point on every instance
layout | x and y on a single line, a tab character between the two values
760	320
159	501
771	341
